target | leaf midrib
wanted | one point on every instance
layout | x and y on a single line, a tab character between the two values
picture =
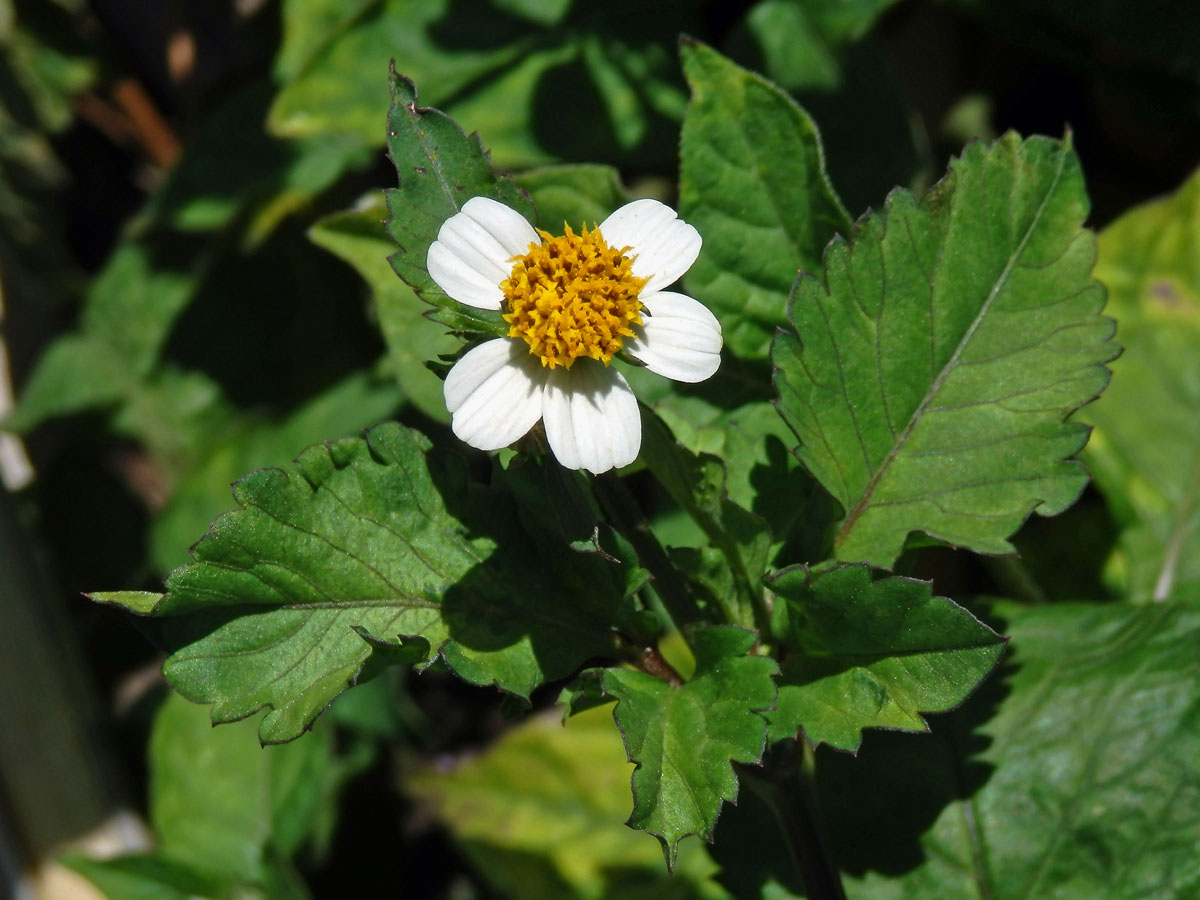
939	381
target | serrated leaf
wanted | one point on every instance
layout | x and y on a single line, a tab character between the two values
932	368
540	814
440	168
1072	776
380	533
752	180
697	483
872	654
1145	450
683	739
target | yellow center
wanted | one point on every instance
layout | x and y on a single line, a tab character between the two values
572	296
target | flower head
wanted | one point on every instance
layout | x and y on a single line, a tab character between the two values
572	303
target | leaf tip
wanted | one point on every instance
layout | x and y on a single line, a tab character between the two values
141	603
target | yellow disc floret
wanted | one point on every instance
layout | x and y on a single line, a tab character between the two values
572	296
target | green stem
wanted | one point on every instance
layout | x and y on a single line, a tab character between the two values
786	786
626	516
821	874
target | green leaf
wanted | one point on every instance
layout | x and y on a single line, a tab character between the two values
798	40
309	26
539	81
762	475
232	171
1145	449
440	168
932	368
227	813
148	876
872	654
683	739
74	373
359	238
697	483
129	310
339	88
540	814
222	803
752	180
576	195
362	544
354	403
1071	776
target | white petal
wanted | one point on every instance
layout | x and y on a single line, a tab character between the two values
494	393
471	255
663	245
679	339
592	418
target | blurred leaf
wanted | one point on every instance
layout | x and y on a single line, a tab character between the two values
540	813
575	195
341	89
355	402
798	40
148	876
937	359
74	373
684	738
359	238
864	654
753	182
742	539
176	415
227	813
362	547
129	310
1081	784
439	169
44	64
540	12
1145	449
309	26
538	79
222	803
794	51
50	62
135	299
232	168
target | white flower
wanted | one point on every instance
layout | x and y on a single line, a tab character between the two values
572	303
